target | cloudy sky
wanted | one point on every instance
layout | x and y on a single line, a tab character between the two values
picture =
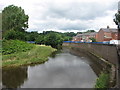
67	15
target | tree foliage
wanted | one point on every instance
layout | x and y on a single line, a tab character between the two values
0	21
14	18
12	35
93	39
15	22
117	22
53	39
90	31
40	39
70	34
117	19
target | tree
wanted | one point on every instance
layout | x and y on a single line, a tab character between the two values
53	39
117	22
40	39
79	32
93	39
32	36
0	21
0	26
71	34
12	34
90	31
14	18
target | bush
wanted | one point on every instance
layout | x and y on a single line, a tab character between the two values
102	81
14	46
54	40
12	34
40	40
93	39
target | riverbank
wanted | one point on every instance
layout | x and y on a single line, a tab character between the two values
38	54
105	65
64	70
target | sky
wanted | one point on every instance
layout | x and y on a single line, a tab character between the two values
67	15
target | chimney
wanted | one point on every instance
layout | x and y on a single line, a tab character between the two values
108	27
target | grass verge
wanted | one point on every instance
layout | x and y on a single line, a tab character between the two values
38	54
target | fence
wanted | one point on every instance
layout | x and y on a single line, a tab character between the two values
107	42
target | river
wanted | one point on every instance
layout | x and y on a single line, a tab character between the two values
64	70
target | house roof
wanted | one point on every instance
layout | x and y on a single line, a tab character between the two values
109	29
85	34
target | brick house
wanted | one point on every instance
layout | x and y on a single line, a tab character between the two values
106	34
85	37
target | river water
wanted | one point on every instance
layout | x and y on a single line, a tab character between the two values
65	70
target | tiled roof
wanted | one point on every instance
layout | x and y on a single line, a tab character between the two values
109	29
85	34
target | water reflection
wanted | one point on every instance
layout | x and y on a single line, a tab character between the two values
93	61
14	77
63	70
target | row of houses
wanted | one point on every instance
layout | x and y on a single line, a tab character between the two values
104	34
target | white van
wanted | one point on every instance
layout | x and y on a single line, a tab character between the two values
115	42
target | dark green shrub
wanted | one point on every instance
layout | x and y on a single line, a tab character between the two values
102	81
12	34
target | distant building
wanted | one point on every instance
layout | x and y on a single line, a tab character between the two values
107	34
85	37
104	34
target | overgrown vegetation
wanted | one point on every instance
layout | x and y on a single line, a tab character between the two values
38	54
15	46
102	81
52	38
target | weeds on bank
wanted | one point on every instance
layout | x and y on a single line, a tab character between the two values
29	54
102	81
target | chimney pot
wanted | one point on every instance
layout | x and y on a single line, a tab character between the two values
108	27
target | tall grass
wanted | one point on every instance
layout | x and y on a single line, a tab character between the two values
14	46
36	54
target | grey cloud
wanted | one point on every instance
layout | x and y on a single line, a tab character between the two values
82	11
66	14
63	24
75	15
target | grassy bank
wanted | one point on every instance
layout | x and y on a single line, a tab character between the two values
37	54
15	46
